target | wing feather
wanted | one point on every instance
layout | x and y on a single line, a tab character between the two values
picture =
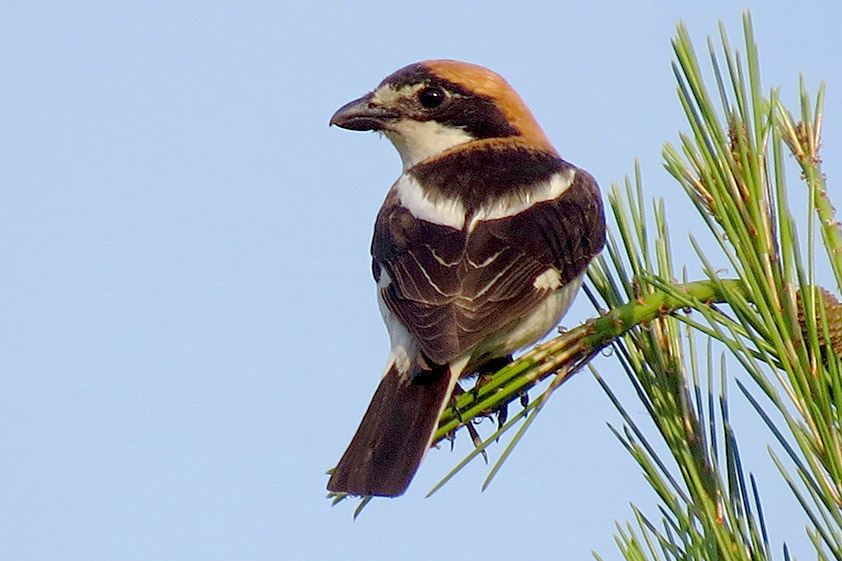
454	288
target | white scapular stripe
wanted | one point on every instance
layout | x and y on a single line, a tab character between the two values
447	211
515	204
444	211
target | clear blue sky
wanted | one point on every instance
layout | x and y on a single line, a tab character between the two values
188	330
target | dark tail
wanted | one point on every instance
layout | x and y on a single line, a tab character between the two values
394	434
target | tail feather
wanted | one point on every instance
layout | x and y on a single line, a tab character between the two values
395	433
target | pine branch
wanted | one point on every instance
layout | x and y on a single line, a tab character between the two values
770	319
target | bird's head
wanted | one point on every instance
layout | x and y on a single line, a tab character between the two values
430	107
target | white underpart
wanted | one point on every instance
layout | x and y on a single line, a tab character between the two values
445	211
405	348
534	326
418	140
519	334
404	345
548	280
517	203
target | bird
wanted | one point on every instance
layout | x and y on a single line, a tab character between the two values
478	251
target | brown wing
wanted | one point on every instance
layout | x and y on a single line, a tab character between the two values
453	289
566	233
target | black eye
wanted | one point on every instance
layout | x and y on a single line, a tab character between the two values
431	97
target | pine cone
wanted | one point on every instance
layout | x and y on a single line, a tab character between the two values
834	321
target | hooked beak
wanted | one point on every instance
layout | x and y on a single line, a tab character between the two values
362	115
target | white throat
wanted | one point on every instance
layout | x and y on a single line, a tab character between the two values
419	140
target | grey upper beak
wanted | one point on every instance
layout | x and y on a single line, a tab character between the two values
362	115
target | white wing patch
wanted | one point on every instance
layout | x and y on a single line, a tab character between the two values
515	204
445	211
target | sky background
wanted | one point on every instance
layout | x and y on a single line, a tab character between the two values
188	329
